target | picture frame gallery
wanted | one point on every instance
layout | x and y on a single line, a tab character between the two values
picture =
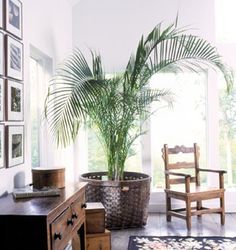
11	84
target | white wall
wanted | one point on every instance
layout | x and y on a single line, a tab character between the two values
47	25
114	27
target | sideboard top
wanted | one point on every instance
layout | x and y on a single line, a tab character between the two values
40	206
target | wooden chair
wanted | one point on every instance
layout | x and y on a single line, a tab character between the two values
187	192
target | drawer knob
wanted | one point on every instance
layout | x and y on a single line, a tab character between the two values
74	216
84	205
70	222
58	236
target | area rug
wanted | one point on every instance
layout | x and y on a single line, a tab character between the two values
183	243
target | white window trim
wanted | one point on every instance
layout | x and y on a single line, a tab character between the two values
45	151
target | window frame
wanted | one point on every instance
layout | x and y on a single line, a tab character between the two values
46	64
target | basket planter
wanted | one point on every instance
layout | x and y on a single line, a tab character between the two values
125	202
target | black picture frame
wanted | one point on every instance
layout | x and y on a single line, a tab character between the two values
2	145
14	101
14	140
14	58
2	54
1	14
13	18
2	99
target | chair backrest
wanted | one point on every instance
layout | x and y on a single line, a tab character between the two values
193	163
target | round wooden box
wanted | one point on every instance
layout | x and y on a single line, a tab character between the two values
48	177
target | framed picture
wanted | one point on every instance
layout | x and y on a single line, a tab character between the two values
1	14
2	99
14	17
14	101
14	145
14	58
1	53
2	146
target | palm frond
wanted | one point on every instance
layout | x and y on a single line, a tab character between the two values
148	96
170	47
72	93
97	67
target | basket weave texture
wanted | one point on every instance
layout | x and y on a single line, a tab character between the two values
126	202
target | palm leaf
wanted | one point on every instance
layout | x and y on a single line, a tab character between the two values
72	93
171	48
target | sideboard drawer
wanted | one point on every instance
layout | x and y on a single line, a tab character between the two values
61	229
78	209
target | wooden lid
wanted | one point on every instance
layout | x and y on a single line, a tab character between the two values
48	170
94	207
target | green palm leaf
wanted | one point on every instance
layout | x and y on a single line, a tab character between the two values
171	48
73	91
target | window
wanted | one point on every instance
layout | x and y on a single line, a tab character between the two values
227	135
35	75
96	156
97	160
225	22
40	69
185	123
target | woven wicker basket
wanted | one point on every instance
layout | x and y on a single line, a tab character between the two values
125	202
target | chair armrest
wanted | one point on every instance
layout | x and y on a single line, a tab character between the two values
220	172
177	174
213	171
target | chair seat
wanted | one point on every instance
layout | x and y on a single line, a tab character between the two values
194	190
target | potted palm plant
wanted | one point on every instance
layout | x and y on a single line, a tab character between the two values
80	93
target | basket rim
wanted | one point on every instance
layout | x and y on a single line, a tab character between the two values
84	177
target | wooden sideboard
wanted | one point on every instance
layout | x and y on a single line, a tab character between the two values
44	223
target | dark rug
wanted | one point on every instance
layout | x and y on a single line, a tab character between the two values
183	243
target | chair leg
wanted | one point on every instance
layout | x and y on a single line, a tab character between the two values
222	206
188	214
168	208
199	207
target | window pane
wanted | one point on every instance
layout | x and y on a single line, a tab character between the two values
96	156
97	160
133	163
34	102
227	140
183	124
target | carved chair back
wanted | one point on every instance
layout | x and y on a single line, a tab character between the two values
191	157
